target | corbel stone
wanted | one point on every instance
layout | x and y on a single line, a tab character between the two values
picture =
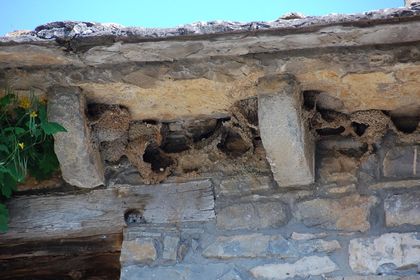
80	161
286	139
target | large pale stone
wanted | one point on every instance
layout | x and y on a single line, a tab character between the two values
260	245
305	267
170	248
80	161
349	213
387	253
289	149
402	209
140	250
255	215
244	185
180	272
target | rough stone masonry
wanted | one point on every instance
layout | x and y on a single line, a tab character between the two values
223	150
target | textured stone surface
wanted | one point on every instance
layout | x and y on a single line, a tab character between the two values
305	267
252	215
170	248
180	272
80	162
307	236
259	245
244	185
140	251
402	209
290	151
349	213
209	87
375	277
390	252
402	162
405	184
77	31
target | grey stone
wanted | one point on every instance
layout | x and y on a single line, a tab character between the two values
81	33
170	248
388	253
180	272
305	267
252	215
138	251
265	246
405	184
289	148
244	185
375	277
307	236
402	209
402	162
348	213
80	161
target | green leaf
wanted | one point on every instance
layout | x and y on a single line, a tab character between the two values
51	128
19	130
42	114
4	218
3	148
6	100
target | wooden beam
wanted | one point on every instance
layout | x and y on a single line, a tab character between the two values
102	211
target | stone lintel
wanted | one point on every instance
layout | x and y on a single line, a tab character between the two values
80	161
290	151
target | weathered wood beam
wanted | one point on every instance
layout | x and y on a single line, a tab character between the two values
102	211
64	258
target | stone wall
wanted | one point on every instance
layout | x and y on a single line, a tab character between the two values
282	150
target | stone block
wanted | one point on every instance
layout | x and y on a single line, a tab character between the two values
180	272
405	184
252	215
402	209
305	267
170	248
288	145
138	251
80	161
401	162
376	277
243	185
388	253
349	213
264	246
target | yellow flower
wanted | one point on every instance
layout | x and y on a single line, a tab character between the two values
21	145
24	102
33	114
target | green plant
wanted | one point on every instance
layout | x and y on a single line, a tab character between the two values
26	144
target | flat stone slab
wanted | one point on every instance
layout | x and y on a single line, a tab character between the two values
80	161
390	252
289	149
349	213
252	215
266	246
305	267
180	272
402	209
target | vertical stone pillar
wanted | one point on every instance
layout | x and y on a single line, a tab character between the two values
289	149
80	162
